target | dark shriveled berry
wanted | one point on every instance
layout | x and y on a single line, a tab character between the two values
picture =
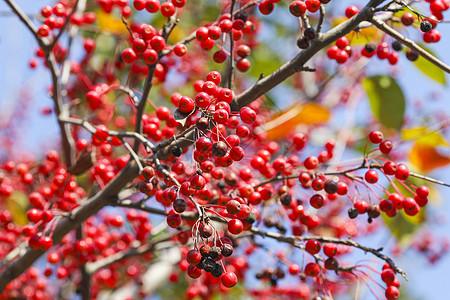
397	46
310	33
202	123
331	264
279	273
180	205
218	271
412	55
251	218
370	47
331	186
269	222
426	26
241	15
374	211
204	250
227	250
206	231
279	225
286	200
215	252
352	213
177	151
219	149
200	264
302	43
209	265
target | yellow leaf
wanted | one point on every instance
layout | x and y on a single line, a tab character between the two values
427	158
176	35
110	23
424	136
361	37
280	125
17	204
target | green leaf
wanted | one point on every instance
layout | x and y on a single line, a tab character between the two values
386	99
264	62
402	226
17	204
429	69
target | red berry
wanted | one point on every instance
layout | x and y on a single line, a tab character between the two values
375	137
247	115
312	269
371	176
317	201
422	191
312	5
243	65
139	4
330	249
128	55
229	279
342	43
392	293
407	19
186	104
194	272
297	8
43	30
402	172
158	43
266	7
311	162
150	56
388	276
294	269
361	206
386	146
219	56
180	50
202	34
163	113
194	257
235	226
351	11
312	247
167	9
174	220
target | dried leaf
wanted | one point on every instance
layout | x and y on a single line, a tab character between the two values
181	117
424	136
427	158
110	23
280	125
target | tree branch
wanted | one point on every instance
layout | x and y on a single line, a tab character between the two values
140	108
26	20
69	223
291	239
293	66
409	43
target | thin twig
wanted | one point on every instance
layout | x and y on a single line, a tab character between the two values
230	71
409	43
63	28
134	155
321	18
